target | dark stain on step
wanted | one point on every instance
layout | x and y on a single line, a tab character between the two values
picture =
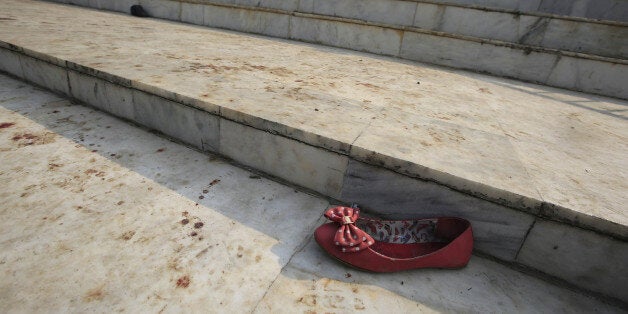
183	282
26	139
127	235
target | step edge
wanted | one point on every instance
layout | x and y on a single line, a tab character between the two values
473	7
414	29
522	203
517	12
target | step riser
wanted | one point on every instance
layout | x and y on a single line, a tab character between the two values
611	10
553	68
594	38
563	34
608	10
507	234
590	38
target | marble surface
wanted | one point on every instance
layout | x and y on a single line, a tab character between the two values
108	97
577	36
45	74
105	231
184	123
373	39
347	97
500	42
287	5
10	62
314	168
613	10
313	282
378	11
257	22
586	259
170	10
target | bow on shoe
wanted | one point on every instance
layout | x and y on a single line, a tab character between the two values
349	237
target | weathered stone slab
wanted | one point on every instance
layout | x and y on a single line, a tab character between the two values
10	62
192	13
378	11
308	166
184	123
123	6
165	9
578	256
243	20
346	35
95	216
590	75
45	74
614	10
287	5
387	144
101	94
313	281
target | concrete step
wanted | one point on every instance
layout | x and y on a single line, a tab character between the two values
104	201
577	54
537	170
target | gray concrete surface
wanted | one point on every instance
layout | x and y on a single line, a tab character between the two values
92	215
323	122
509	44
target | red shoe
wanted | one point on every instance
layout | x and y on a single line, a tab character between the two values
398	244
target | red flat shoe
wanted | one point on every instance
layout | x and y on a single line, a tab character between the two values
395	245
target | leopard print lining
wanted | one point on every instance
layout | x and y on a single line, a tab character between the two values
400	231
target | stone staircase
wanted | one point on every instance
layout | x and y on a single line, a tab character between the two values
537	170
514	39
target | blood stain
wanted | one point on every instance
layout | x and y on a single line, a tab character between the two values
185	221
5	125
199	225
183	282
